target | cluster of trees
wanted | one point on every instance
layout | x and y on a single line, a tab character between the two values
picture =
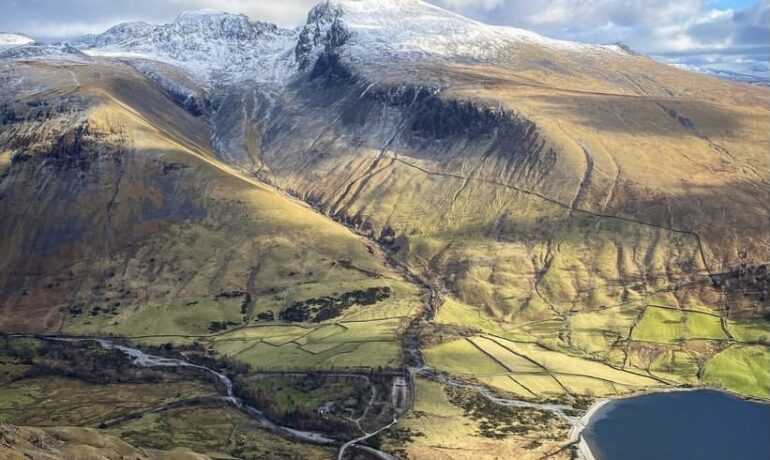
86	361
748	280
328	307
498	422
296	415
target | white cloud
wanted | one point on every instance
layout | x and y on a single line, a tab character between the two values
46	29
715	16
483	4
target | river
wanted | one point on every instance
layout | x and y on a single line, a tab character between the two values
141	358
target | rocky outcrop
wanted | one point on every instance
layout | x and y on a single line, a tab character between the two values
323	32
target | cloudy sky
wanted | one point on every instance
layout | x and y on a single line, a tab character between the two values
721	33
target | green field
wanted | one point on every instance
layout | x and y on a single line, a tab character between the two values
677	366
341	344
541	385
596	332
660	325
704	326
666	325
750	331
505	356
529	369
667	346
743	369
461	357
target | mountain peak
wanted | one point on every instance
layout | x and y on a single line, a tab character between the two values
351	8
626	48
375	31
204	42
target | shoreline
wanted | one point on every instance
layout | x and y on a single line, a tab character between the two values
576	433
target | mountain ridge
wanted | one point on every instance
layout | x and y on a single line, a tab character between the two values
126	37
342	18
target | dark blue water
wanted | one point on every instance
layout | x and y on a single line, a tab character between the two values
685	425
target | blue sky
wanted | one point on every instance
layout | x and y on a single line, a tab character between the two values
726	34
719	33
731	3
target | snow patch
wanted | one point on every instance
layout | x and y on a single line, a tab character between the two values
9	40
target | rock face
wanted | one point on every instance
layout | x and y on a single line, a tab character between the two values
525	176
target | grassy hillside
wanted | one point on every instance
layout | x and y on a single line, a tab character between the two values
526	193
55	443
137	229
611	208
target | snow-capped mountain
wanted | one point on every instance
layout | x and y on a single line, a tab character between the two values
207	43
10	40
753	74
214	46
374	30
217	45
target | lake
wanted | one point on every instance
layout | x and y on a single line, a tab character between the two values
680	425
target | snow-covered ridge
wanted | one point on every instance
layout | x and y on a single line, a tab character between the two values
35	50
217	46
18	46
114	35
209	44
416	30
8	40
753	75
